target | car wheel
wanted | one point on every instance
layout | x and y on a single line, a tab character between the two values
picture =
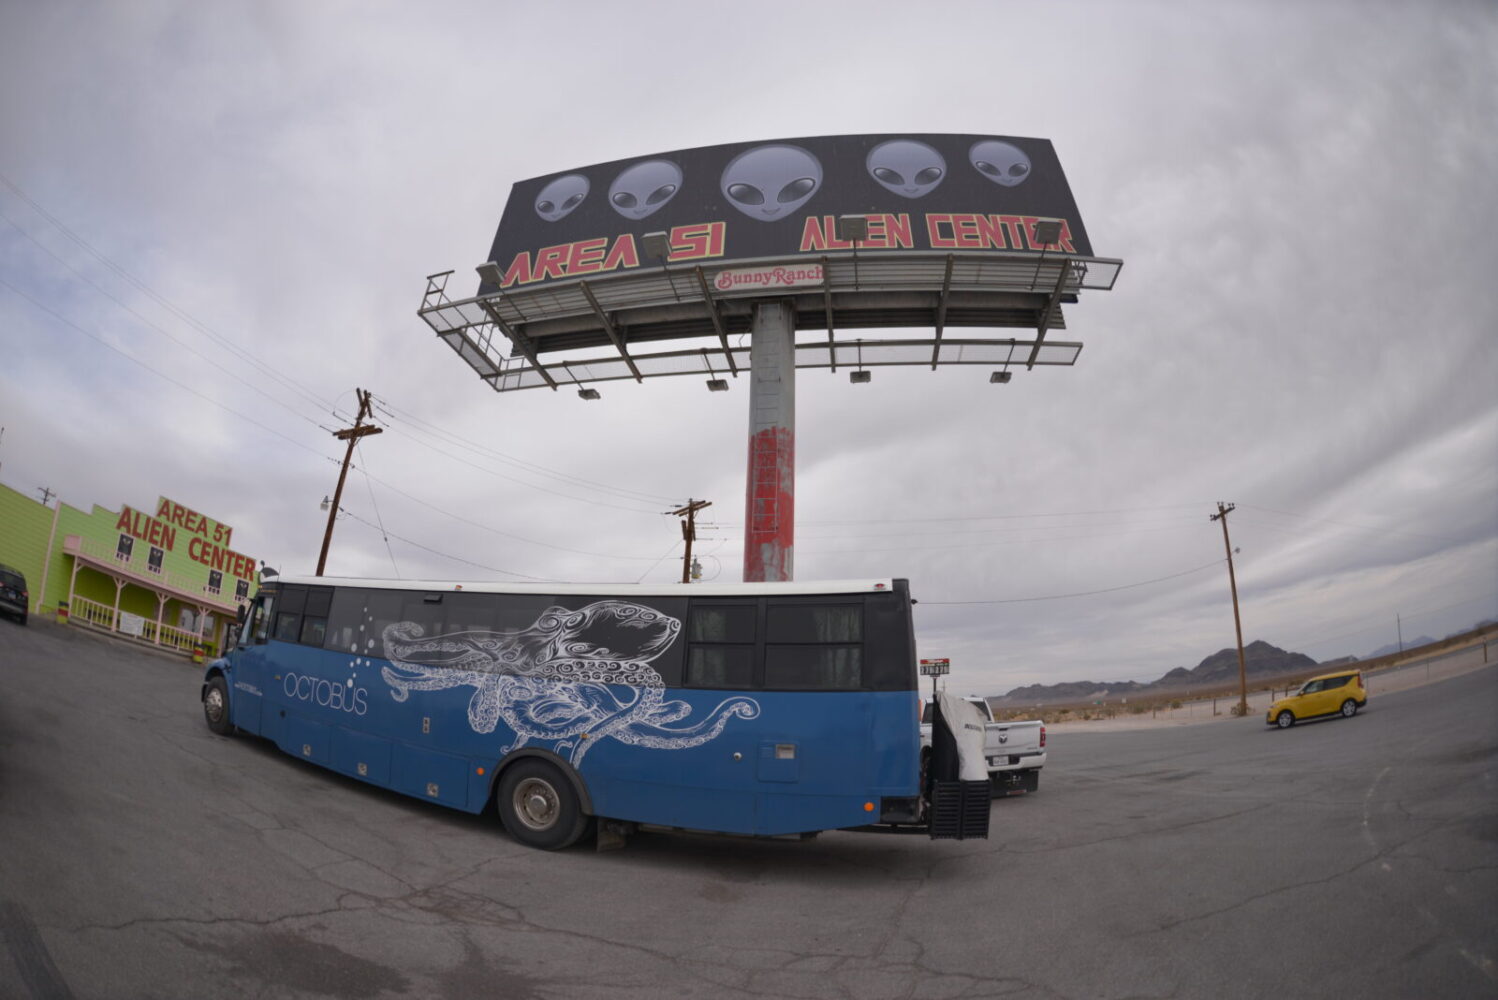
1349	708
216	706
1284	720
23	619
539	807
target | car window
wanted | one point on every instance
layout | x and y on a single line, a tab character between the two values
1336	682
1311	687
13	580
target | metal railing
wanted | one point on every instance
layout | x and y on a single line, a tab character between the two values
108	619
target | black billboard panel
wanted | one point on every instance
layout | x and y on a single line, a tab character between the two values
781	198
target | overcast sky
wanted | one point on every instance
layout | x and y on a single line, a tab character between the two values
218	219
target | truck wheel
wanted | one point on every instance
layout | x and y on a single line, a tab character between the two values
216	706
1349	708
1284	720
538	806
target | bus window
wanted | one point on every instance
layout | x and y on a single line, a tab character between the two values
815	623
814	668
263	608
288	625
814	646
721	645
720	667
314	631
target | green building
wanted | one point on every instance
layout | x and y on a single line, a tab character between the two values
166	576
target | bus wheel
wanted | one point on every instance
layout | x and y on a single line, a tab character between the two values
216	706
538	806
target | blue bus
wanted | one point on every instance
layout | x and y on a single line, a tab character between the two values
755	709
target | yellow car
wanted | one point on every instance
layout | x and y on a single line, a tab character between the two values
1341	693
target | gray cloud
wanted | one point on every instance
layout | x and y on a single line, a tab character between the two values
1304	322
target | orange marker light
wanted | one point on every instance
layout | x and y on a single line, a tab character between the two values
868	807
481	770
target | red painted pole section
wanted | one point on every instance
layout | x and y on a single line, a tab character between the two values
770	503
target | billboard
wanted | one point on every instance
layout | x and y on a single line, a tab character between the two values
780	198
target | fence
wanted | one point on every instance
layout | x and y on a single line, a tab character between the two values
102	616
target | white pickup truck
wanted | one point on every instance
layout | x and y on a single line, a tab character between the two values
1015	751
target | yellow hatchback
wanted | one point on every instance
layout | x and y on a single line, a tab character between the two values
1341	693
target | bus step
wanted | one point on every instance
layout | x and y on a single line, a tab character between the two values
959	810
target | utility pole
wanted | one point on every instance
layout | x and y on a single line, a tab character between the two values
1222	515
47	495
689	533
352	436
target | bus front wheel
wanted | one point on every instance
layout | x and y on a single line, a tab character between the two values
539	807
216	706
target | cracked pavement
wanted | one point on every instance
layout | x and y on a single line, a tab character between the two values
141	856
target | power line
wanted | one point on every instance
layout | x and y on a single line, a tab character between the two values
486	451
1084	593
151	293
187	388
1344	524
159	329
498	531
445	555
991	517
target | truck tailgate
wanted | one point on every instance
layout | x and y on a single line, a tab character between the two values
1009	738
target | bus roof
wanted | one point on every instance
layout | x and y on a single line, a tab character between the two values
864	586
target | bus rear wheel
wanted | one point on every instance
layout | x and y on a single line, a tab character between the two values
539	807
216	706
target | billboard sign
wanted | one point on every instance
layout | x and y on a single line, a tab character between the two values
781	198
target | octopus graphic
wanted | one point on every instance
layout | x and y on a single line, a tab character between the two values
560	679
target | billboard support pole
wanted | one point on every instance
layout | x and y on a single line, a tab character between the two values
769	515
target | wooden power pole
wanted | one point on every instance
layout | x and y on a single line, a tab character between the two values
352	436
1222	515
689	533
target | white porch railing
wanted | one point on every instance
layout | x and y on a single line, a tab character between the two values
102	616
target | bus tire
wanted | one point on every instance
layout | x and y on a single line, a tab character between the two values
216	705
539	807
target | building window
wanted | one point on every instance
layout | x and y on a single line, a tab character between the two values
154	562
123	550
215	581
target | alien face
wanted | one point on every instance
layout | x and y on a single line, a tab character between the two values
906	167
770	182
1000	162
641	189
561	196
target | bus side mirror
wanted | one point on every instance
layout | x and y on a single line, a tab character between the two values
244	613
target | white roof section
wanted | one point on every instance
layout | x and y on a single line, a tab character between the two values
813	587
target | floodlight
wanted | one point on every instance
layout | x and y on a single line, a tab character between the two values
490	273
860	377
1000	377
656	245
717	385
587	394
852	228
1048	232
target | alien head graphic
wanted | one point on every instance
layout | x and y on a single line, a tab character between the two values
1000	162
770	182
558	198
906	167
641	189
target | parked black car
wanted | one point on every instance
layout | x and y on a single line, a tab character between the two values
13	596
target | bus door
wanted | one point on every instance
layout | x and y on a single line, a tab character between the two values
248	660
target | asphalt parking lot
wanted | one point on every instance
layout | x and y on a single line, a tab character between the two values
141	856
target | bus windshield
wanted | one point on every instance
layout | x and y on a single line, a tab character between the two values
760	709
